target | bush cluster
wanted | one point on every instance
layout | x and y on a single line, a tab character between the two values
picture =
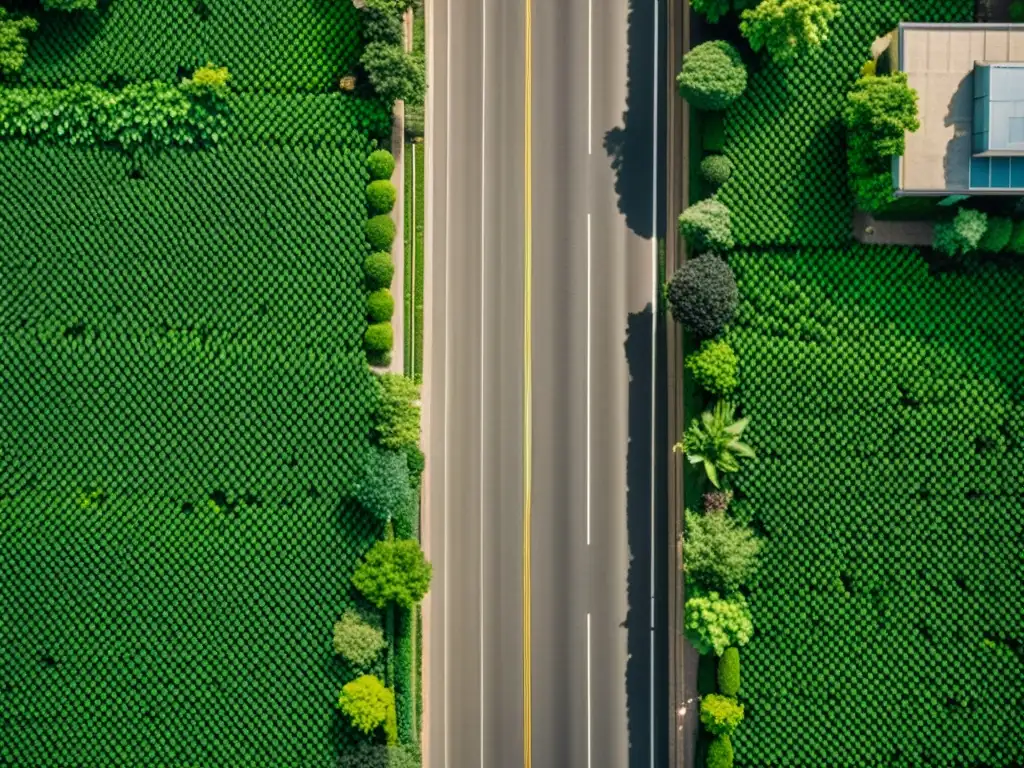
713	76
394	73
366	702
720	715
716	169
706	226
713	622
384	487
714	367
703	295
962	236
788	29
356	641
14	31
381	196
394	572
719	554
997	235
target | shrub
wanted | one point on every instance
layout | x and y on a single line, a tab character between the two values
997	236
713	623
381	164
1017	11
14	32
714	367
382	26
713	76
379	337
383	489
208	78
381	196
873	191
1016	244
788	28
380	305
378	756
391	723
962	235
719	554
705	225
380	232
714	10
417	463
356	641
395	73
729	672
716	169
717	501
393	572
397	418
721	715
720	753
365	701
703	295
379	269
69	5
713	441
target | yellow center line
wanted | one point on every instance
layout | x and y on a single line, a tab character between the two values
527	404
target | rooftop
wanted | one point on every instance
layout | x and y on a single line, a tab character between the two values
939	60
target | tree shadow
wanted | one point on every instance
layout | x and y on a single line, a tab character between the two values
641	718
629	146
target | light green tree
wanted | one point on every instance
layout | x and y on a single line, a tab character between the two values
788	28
365	701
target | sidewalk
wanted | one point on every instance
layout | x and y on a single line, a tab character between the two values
866	229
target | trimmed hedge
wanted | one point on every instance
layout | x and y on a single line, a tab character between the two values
729	672
403	677
379	337
380	164
706	226
381	196
380	305
720	753
380	232
703	295
997	236
716	169
379	269
713	76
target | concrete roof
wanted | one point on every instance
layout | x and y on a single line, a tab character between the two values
939	61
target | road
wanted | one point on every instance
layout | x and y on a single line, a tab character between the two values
539	386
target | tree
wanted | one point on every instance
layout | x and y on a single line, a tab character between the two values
14	40
713	441
719	554
714	367
365	701
720	753
714	623
377	756
384	488
397	418
962	235
997	236
721	715
394	572
356	641
394	73
788	28
706	226
713	76
703	295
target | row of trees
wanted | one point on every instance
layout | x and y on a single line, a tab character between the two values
394	73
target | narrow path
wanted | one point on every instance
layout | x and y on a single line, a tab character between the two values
867	229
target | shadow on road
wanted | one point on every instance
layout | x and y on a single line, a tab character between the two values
630	147
639	460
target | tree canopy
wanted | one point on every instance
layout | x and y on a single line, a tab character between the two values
788	29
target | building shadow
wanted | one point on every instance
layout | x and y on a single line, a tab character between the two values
646	507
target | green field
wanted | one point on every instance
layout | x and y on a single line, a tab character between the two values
887	408
185	401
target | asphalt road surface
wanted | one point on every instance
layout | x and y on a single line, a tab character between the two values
539	386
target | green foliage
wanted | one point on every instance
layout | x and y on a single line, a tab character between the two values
997	235
356	641
381	196
380	305
714	367
380	164
148	115
379	337
879	112
1017	11
397	419
208	79
713	441
713	76
703	295
378	756
365	701
394	572
961	236
716	169
720	715
394	73
1016	244
69	5
729	672
382	26
713	623
788	29
720	753
404	678
789	130
380	269
705	225
712	128
885	397
719	554
380	232
14	31
391	722
714	10
384	488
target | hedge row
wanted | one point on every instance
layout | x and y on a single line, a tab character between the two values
380	234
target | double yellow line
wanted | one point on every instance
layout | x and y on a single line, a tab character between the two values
527	398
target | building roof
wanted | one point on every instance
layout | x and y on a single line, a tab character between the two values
939	61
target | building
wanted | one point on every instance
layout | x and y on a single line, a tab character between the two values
969	80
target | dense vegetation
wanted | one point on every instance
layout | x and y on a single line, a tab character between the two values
187	415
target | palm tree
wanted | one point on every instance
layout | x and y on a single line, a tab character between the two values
714	441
